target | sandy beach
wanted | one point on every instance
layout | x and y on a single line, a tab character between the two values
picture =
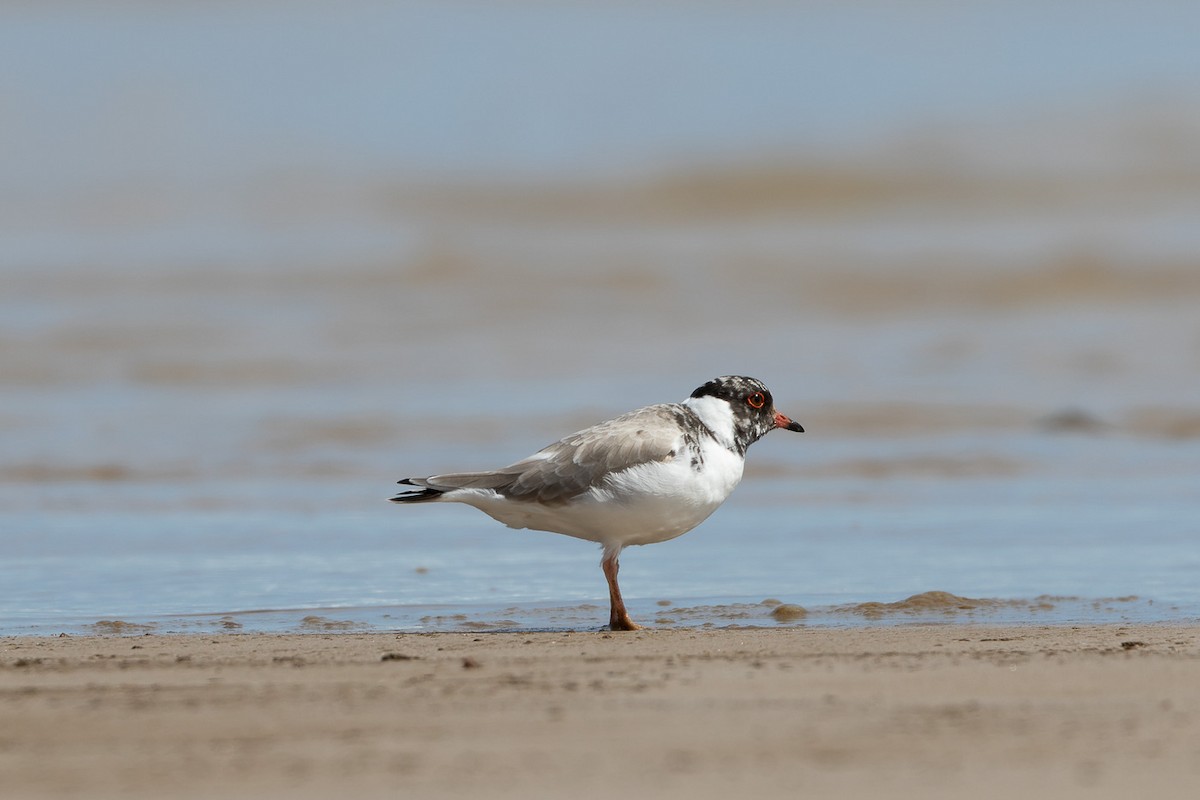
903	711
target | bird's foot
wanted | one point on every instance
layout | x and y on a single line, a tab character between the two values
623	623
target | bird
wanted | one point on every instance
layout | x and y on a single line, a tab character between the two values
646	476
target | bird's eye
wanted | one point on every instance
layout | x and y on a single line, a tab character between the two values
756	400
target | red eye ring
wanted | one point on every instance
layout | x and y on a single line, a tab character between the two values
757	400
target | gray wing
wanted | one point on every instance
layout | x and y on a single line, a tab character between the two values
580	461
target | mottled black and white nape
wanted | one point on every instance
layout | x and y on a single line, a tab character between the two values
646	476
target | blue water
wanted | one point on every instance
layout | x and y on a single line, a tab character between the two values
330	549
259	260
195	93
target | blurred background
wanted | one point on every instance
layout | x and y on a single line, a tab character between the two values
261	259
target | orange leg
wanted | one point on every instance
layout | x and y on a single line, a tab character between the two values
618	617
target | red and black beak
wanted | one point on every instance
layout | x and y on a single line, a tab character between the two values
783	422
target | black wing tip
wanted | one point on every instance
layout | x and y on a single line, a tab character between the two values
417	497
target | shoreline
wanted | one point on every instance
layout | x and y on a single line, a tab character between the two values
913	710
929	607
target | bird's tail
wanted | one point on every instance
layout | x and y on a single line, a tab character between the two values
418	495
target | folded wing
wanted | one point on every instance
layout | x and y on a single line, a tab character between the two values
576	463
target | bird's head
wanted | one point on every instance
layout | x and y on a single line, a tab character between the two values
739	408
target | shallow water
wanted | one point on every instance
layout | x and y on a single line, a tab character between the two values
267	554
220	347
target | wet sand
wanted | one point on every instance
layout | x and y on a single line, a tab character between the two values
904	711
